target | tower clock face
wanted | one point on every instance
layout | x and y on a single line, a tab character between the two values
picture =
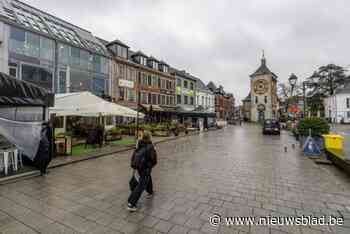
261	87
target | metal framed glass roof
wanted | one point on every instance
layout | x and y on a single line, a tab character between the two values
48	24
29	19
95	47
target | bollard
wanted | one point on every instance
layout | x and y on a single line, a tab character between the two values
285	149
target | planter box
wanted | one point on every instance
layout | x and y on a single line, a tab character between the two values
343	164
161	133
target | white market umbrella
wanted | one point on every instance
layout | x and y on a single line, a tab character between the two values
88	104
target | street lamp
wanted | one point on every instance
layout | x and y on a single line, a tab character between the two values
305	84
292	81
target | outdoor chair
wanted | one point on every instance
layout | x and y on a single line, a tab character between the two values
9	157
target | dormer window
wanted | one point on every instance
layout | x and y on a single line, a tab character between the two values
142	60
155	65
121	51
164	68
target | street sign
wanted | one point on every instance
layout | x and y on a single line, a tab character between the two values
126	83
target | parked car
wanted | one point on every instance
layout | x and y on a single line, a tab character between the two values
271	126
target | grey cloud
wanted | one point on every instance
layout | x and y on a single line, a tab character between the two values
221	40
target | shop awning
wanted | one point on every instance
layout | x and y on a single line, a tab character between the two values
87	104
149	108
197	113
15	92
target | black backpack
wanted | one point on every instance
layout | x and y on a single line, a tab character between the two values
138	159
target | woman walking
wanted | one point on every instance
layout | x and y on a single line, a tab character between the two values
143	160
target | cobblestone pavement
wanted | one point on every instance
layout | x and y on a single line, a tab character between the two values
233	172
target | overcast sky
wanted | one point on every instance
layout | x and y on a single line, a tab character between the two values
220	40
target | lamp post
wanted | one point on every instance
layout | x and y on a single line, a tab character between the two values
292	82
138	87
305	84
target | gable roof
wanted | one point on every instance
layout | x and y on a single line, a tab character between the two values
263	70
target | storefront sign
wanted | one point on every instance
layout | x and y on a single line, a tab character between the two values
126	83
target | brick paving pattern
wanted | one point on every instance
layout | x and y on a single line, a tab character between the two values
234	172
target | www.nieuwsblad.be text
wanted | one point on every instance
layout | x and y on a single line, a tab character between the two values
216	220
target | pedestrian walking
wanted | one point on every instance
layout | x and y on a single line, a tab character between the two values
143	160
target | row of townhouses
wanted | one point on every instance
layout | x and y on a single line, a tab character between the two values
45	50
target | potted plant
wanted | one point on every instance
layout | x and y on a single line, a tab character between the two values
314	126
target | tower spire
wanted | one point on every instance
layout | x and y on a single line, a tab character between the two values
263	60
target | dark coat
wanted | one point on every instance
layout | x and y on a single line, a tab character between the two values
151	153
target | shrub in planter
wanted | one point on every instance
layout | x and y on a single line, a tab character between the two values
318	127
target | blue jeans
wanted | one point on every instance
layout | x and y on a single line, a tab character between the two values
145	183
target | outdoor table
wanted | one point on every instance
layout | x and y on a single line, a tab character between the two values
6	153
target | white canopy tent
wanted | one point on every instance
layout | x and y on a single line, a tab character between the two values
89	105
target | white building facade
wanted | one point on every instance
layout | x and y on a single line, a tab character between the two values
204	97
337	106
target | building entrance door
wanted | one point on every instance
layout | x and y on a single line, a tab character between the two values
261	116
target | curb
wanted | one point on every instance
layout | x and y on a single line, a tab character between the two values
35	173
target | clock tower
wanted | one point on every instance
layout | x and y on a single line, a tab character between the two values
263	91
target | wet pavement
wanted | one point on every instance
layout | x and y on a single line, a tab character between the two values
232	172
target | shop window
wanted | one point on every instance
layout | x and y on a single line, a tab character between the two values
99	86
32	45
75	56
17	40
85	60
46	49
131	95
38	76
348	114
79	81
121	93
63	53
